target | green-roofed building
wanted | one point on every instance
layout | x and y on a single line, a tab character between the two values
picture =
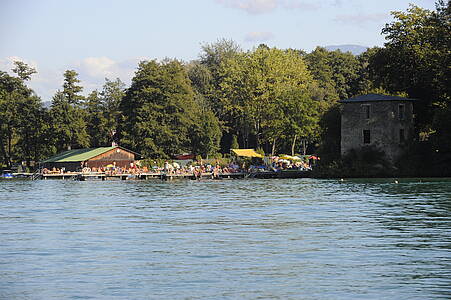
73	160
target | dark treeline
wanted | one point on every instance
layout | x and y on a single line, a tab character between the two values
278	101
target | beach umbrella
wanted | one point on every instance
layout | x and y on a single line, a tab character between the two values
285	156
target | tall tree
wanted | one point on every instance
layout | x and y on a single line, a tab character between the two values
257	86
71	88
416	59
111	95
21	118
23	70
68	128
159	110
336	72
96	121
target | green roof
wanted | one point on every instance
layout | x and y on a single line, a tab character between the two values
78	154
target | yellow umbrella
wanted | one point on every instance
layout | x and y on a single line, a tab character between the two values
285	156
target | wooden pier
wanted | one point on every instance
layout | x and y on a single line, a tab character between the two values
79	176
125	176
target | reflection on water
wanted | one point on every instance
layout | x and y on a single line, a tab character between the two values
229	239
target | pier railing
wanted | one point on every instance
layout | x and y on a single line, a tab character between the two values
36	175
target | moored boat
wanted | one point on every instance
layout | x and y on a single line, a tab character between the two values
6	174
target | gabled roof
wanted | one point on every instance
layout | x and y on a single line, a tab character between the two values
81	154
375	97
246	153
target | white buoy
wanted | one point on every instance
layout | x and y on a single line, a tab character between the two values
396	181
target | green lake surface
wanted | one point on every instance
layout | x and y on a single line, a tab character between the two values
226	239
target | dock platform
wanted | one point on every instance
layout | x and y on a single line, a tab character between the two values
125	176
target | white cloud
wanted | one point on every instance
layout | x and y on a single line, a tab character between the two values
251	6
258	36
94	70
92	73
266	6
7	64
45	82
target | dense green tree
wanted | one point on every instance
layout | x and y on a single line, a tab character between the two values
159	110
336	73
416	59
68	126
22	118
207	78
319	65
71	90
205	134
68	129
23	70
214	54
33	140
301	122
97	129
259	90
102	112
201	78
111	95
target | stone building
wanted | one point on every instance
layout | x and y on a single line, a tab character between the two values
385	122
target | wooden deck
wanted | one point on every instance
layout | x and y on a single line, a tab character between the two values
163	176
141	176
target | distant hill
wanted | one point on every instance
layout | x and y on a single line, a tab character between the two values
354	49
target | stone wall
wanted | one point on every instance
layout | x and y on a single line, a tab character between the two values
384	124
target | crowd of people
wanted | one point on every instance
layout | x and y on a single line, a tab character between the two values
193	168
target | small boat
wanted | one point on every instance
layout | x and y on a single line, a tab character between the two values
7	174
280	174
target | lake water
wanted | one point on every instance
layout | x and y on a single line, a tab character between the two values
227	239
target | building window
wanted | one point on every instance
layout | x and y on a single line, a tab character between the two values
402	136
366	111
366	137
401	111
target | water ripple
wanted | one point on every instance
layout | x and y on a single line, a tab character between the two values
229	239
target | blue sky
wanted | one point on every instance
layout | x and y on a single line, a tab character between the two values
107	38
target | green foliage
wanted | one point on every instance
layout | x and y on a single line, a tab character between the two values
205	134
234	144
416	58
160	117
102	112
260	151
23	70
22	119
269	99
264	94
111	96
368	161
96	121
71	89
68	126
336	72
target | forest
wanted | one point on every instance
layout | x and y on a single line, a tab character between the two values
273	100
